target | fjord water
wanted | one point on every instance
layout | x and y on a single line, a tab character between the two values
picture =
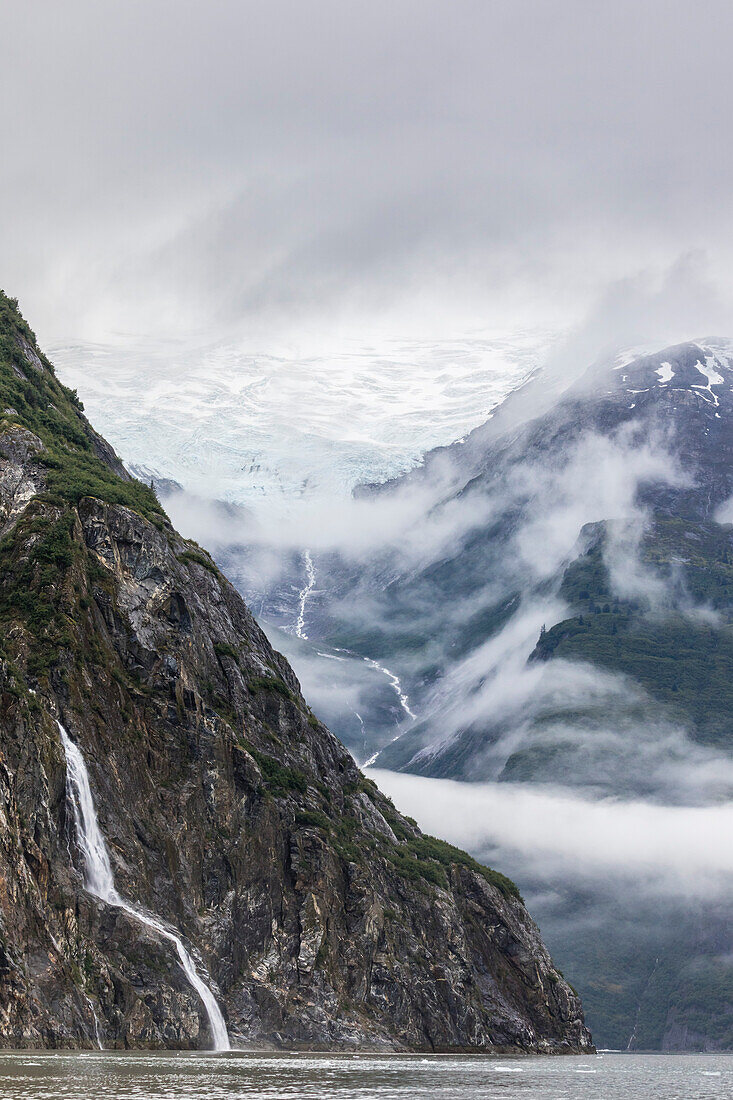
239	1076
99	880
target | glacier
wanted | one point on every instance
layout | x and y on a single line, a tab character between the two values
265	430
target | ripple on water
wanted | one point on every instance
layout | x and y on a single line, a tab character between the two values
254	1076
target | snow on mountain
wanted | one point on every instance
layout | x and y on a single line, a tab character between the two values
712	370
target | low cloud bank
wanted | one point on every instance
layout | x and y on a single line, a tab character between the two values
539	515
426	519
554	835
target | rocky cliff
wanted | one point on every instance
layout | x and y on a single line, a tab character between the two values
320	915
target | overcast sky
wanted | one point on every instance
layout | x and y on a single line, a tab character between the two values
182	167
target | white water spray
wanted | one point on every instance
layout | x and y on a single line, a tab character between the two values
99	880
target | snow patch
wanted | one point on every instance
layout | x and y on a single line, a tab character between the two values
707	370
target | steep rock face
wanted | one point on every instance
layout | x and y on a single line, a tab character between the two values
322	917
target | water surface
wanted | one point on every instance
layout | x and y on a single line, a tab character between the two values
186	1076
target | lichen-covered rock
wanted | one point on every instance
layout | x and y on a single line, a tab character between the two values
323	918
19	481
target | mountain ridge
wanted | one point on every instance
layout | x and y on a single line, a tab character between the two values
651	400
322	916
560	615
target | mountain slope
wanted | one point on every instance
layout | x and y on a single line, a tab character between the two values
646	587
320	915
560	615
603	509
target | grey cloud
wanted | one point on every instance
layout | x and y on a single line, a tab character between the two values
184	167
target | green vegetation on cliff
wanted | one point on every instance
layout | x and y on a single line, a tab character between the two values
324	918
680	656
31	394
52	610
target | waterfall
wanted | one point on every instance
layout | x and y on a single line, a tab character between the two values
96	1022
99	880
394	682
310	580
